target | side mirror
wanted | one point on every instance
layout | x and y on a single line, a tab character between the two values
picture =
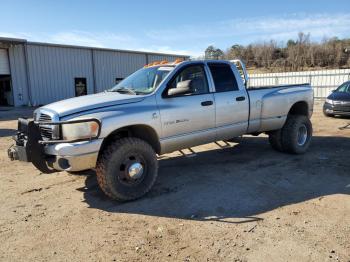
182	88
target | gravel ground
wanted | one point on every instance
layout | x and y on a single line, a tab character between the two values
228	202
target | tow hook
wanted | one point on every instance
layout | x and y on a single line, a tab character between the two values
12	153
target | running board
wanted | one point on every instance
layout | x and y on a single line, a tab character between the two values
191	154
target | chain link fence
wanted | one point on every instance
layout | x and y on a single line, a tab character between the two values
322	81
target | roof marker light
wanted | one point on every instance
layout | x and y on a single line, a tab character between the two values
179	60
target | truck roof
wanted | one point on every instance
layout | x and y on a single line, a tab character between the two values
180	61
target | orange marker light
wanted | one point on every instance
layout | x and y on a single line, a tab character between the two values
94	128
179	60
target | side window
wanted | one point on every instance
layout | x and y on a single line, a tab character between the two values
344	87
223	77
192	77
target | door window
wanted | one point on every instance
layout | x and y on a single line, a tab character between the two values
223	77
192	77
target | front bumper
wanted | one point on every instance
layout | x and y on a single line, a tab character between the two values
336	109
48	158
74	156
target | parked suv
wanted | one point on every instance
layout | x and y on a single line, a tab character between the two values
338	102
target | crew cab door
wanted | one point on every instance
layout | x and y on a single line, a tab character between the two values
231	99
188	118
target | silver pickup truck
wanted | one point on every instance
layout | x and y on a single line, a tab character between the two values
160	108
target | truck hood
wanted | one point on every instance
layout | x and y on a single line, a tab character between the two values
88	102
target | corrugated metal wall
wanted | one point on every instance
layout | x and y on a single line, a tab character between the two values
169	58
18	75
52	71
110	65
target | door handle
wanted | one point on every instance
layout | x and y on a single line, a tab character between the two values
207	103
240	98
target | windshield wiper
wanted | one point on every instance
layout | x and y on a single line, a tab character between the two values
124	90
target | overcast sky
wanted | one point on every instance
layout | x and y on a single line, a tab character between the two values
185	27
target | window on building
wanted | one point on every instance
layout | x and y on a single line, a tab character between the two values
80	86
118	80
223	77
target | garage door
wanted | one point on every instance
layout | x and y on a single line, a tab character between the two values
4	62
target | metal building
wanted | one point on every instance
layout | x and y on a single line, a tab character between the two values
34	73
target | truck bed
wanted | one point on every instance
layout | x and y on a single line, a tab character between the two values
253	88
269	105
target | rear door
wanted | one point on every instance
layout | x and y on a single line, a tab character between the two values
231	99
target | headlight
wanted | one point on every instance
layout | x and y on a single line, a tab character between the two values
329	101
80	130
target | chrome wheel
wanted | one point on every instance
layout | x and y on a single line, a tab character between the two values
132	169
135	170
302	135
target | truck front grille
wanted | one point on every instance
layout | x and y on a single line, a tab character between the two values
46	131
44	118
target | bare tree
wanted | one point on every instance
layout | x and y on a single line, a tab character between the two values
294	55
213	53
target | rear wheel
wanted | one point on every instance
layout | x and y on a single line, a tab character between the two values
127	169
294	137
296	134
275	139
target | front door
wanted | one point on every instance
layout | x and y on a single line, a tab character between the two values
188	118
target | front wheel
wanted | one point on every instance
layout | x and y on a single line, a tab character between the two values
296	134
127	169
327	114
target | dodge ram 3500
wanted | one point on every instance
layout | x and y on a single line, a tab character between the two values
160	108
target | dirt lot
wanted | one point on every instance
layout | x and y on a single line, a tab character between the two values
243	202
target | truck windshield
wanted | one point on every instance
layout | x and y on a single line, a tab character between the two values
143	81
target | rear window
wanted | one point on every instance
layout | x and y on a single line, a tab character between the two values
223	77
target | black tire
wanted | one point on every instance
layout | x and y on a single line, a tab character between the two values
296	134
327	114
80	173
275	139
114	164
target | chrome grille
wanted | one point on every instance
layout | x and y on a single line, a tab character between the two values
44	118
341	108
46	131
342	103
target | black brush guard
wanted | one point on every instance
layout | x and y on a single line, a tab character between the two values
28	148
